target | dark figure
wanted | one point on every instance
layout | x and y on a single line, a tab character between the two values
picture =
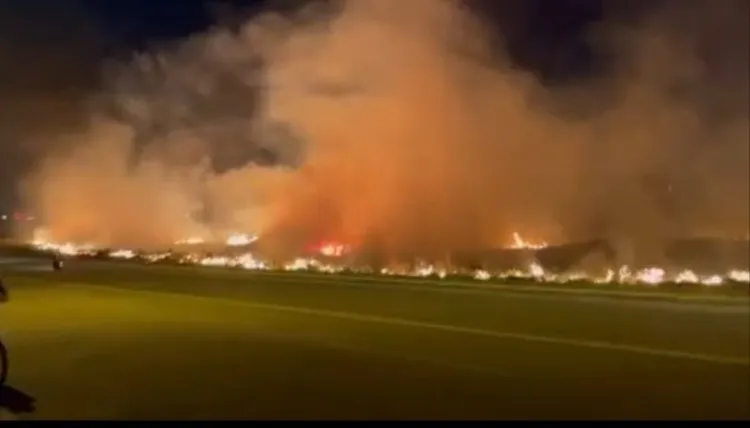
3	292
57	264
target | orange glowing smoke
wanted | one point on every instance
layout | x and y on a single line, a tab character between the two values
413	136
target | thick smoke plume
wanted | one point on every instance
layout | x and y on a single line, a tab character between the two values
397	126
47	71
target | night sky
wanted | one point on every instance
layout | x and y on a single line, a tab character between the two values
547	36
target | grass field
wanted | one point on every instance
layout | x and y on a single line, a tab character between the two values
123	341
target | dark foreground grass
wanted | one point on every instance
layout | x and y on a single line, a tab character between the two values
114	340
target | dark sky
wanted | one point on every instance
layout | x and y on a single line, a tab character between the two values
545	35
51	51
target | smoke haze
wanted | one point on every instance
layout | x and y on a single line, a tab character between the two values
399	127
48	66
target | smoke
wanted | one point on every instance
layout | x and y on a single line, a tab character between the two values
400	128
47	68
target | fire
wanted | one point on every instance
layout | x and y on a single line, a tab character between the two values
331	249
122	254
41	241
652	276
194	240
334	250
239	240
521	244
739	275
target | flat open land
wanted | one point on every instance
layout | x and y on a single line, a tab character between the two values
104	340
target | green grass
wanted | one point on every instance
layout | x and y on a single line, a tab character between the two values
119	340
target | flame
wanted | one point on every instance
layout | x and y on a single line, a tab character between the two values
153	258
240	240
521	244
652	276
193	240
41	241
332	249
122	254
